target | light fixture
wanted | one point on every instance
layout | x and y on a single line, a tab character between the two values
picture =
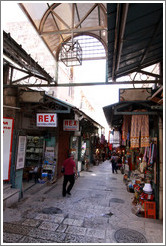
71	53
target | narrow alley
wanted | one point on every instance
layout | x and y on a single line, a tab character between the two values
99	210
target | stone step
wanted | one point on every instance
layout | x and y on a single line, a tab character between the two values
6	187
10	196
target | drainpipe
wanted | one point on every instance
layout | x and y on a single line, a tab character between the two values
122	30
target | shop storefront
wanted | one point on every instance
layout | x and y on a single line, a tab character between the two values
89	143
45	130
35	137
141	149
41	147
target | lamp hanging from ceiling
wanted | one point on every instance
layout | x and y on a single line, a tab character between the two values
71	53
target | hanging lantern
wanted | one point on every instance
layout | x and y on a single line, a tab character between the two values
71	53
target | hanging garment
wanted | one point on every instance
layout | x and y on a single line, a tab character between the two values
144	130
125	126
139	124
145	153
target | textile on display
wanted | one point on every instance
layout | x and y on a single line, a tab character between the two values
125	127
139	124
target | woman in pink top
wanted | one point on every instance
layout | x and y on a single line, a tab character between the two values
69	175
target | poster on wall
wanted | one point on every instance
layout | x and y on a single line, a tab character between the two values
49	155
21	152
8	124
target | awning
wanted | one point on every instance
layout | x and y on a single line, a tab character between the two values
42	102
114	112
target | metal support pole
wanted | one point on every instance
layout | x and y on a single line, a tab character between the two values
160	168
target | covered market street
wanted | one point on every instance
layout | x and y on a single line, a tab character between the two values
100	210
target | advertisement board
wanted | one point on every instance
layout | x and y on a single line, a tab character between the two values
8	124
47	120
21	152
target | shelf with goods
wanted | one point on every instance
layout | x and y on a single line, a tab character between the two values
34	150
34	156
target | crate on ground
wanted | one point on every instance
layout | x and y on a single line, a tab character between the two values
150	209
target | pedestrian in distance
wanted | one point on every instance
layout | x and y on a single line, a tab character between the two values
114	163
70	172
36	174
103	155
119	163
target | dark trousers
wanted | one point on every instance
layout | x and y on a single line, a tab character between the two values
36	177
114	168
71	180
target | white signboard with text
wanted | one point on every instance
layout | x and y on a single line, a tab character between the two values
70	125
8	124
21	152
47	120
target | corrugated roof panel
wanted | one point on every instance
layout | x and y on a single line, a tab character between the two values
142	41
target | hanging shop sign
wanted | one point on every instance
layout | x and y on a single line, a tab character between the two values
8	124
46	120
70	125
135	94
32	96
21	152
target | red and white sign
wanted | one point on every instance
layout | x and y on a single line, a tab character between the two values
47	120
70	125
7	146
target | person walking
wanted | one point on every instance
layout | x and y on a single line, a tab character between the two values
70	171
103	155
119	162
114	163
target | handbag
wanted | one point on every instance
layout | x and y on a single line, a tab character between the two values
62	170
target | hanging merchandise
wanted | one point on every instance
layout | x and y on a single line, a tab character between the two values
139	124
152	153
145	197
145	153
142	166
125	128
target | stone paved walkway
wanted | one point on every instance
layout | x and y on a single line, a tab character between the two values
98	211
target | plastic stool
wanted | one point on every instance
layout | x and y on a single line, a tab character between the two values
150	210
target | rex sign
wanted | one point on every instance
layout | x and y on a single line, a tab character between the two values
47	120
70	125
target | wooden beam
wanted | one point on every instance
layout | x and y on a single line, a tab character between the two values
150	74
88	13
157	92
60	19
74	30
56	24
78	16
